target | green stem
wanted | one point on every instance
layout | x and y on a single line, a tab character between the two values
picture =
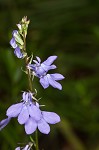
36	138
26	62
30	86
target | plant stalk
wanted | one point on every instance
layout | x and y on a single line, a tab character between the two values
36	138
30	86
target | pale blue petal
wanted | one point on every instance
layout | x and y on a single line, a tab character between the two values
47	68
53	83
37	104
27	96
50	60
4	122
26	147
53	67
18	53
34	112
57	76
43	126
50	117
30	96
36	62
14	110
40	71
30	126
44	82
14	32
38	59
13	43
24	96
32	67
23	116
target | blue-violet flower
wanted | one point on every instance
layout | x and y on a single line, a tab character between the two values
40	70
30	115
27	147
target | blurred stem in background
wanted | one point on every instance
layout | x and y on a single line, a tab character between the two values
70	136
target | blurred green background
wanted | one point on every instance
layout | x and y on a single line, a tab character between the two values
70	30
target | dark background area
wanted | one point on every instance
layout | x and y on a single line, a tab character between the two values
70	30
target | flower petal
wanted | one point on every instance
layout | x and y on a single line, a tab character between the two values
53	83
30	126
4	122
44	82
36	62
19	26
57	76
50	117
18	53
53	67
43	126
15	32
13	43
49	60
38	59
26	147
31	66
27	96
23	116
24	95
47	67
40	72
14	110
34	112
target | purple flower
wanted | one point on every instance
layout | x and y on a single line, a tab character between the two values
4	122
40	70
30	115
13	40
43	124
27	147
18	53
51	79
13	43
24	109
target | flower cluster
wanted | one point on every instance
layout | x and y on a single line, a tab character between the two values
40	70
28	111
29	114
